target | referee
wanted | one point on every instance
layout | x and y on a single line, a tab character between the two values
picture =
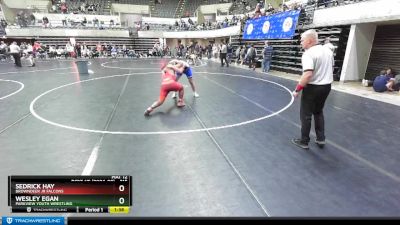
315	82
15	52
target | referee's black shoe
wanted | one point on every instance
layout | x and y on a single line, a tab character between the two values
299	143
320	144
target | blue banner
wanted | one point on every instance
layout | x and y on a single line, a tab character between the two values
14	220
277	26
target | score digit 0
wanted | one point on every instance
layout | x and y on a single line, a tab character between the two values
121	201
121	188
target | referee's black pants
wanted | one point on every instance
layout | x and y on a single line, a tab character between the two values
312	104
223	57
17	59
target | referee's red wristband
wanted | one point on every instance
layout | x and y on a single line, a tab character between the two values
299	88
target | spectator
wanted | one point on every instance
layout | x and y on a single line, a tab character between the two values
53	8
64	8
83	7
396	83
45	21
251	57
215	50
223	52
257	12
243	54
78	50
25	20
237	53
328	44
267	57
190	21
381	82
64	21
3	50
95	22
84	21
390	72
209	50
229	54
3	23
32	19
270	8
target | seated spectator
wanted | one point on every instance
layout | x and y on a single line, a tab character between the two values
380	82
84	21
396	83
390	73
52	52
3	23
72	22
64	8
60	52
45	22
53	8
285	8
75	11
95	22
91	8
270	8
32	19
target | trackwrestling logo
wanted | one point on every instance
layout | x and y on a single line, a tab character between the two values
33	220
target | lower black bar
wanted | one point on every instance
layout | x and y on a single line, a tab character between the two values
186	220
150	220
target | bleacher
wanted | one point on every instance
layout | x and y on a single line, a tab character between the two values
138	44
166	9
103	6
287	52
133	2
144	44
74	20
239	8
211	2
90	41
191	5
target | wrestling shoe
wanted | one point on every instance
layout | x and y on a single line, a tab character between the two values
180	103
148	111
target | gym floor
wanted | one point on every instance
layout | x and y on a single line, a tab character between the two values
226	153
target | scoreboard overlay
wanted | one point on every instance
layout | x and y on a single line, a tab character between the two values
74	194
